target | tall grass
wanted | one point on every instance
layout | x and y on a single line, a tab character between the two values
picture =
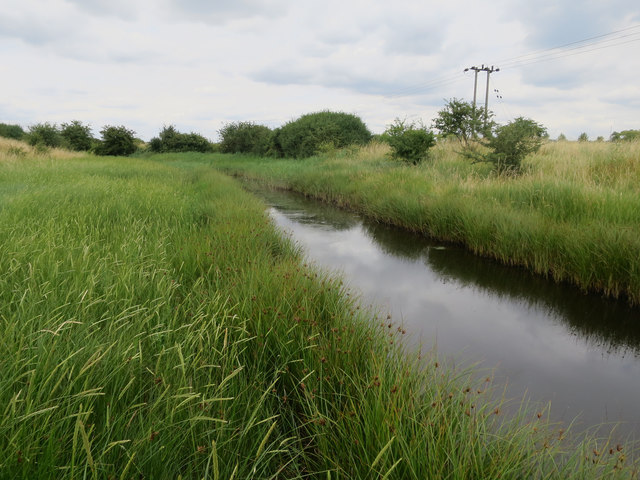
154	324
572	215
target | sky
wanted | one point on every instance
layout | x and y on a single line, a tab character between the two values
198	64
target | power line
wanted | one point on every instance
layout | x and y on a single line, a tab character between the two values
578	47
540	52
568	54
557	52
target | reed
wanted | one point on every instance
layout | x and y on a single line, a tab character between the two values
155	324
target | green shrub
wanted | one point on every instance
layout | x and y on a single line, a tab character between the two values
513	142
76	136
171	140
11	131
45	134
245	137
310	133
116	141
409	142
625	135
583	137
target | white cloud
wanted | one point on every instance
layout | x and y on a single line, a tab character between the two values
198	63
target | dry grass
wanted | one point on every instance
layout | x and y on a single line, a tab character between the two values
12	151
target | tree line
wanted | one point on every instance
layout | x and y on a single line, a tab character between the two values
481	138
114	140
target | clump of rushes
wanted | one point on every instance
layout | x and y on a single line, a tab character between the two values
571	215
154	324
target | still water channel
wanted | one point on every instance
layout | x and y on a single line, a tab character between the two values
547	342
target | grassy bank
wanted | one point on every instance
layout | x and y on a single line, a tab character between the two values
154	324
573	215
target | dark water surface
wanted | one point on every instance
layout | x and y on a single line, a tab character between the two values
550	342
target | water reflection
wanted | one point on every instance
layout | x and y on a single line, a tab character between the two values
612	326
554	343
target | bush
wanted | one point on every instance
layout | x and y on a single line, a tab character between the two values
116	141
583	137
310	133
409	141
170	140
11	131
245	137
44	134
513	142
76	136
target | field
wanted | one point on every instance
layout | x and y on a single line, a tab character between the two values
154	324
572	215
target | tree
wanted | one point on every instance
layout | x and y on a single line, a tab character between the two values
562	137
513	142
76	136
171	140
625	136
583	137
409	141
11	131
462	120
44	134
245	137
116	141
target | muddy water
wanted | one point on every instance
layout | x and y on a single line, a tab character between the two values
548	342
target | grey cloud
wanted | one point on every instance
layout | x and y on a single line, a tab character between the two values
32	31
620	98
71	39
553	23
221	11
335	76
125	10
545	74
396	36
413	36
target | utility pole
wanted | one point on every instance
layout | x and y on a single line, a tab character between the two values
486	96
475	81
475	88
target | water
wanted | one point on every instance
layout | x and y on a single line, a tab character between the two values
548	341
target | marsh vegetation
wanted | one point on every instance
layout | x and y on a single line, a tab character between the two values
155	324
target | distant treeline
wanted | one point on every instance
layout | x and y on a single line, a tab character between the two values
75	136
306	136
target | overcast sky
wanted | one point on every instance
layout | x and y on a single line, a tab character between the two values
198	64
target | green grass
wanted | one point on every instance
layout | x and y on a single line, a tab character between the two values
573	215
155	324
